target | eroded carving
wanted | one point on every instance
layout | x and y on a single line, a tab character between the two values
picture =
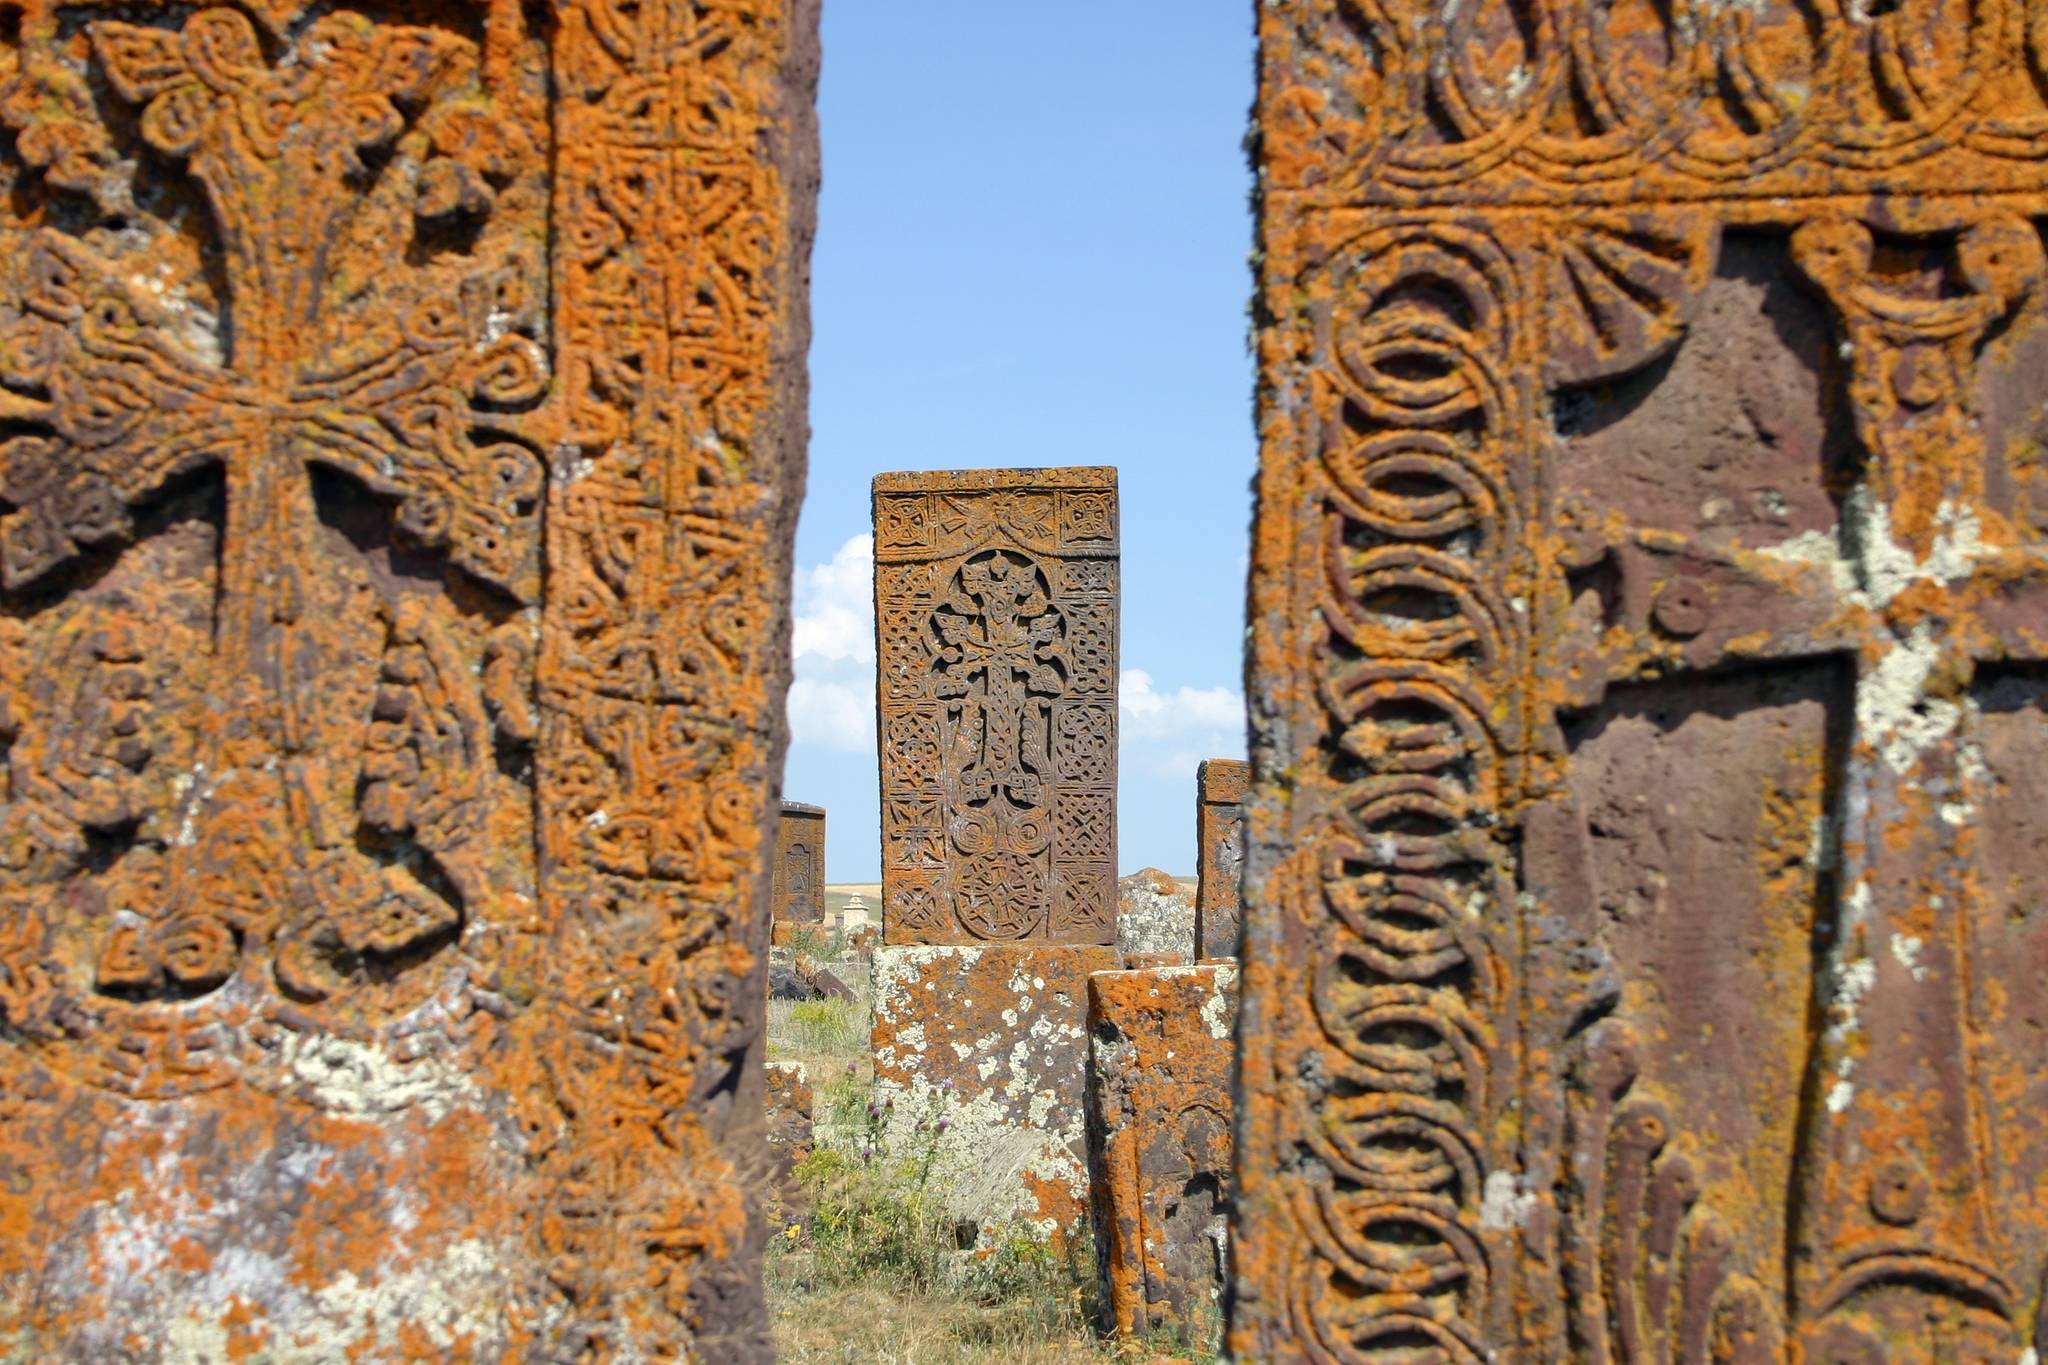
396	408
1460	569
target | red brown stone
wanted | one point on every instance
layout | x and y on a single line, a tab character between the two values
996	622
1644	943
1159	1134
1219	838
798	892
404	429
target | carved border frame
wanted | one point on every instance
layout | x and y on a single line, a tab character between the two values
1463	211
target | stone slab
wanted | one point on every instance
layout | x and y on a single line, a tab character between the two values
1648	665
405	415
1220	785
1155	918
1159	1131
994	1040
996	601
798	877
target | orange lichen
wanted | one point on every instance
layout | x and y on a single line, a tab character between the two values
404	442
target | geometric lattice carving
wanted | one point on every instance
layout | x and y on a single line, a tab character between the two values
1647	623
398	423
996	616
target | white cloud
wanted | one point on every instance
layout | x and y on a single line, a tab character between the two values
1165	735
832	697
835	614
1182	714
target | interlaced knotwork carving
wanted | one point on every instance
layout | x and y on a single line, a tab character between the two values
996	615
396	422
1479	224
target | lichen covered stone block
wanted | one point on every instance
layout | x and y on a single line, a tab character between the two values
1155	919
993	1042
1159	1131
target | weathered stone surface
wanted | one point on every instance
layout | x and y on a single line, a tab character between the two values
791	1136
799	875
994	1041
1219	838
996	626
1159	1138
1155	918
404	431
1643	953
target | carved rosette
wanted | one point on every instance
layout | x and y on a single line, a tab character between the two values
996	600
1453	1145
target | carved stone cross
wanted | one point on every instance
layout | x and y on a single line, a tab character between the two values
1924	585
1646	930
395	387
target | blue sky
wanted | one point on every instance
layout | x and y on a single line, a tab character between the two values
1032	251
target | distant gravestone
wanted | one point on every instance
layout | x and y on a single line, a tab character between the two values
996	621
1219	837
798	874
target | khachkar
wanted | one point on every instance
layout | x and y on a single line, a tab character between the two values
404	426
798	877
996	622
1650	600
1219	845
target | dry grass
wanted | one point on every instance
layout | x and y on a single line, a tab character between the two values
866	1323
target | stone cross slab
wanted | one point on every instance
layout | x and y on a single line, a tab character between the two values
1645	927
403	419
996	624
1219	849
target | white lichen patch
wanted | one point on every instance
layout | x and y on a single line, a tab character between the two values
204	1265
345	1076
1505	1203
1219	1011
1906	950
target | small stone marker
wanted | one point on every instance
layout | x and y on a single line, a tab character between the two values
1159	1115
1155	919
798	874
992	1039
1219	835
996	624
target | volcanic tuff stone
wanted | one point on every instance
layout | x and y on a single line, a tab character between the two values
1649	617
405	422
1159	1138
1155	919
1219	840
996	626
798	891
993	1040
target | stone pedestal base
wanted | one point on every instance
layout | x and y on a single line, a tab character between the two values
1159	1120
992	1041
